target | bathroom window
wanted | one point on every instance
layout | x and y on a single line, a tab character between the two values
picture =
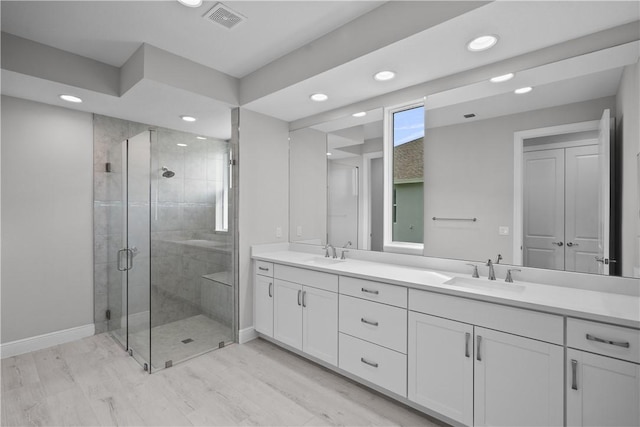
404	178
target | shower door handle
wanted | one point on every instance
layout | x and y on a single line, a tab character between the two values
120	260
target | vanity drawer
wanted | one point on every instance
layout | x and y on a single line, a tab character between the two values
315	279
517	321
380	324
374	291
620	342
264	268
378	365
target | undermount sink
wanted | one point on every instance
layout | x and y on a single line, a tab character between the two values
324	261
483	283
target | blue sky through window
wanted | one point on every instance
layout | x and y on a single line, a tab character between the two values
408	125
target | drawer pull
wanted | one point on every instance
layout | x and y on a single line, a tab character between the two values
299	299
270	290
624	344
366	362
304	299
370	291
574	374
478	357
368	322
467	337
263	268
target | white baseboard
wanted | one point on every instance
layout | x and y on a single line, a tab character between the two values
15	348
246	335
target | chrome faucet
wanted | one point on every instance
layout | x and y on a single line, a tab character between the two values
509	279
475	270
326	249
334	255
492	273
498	259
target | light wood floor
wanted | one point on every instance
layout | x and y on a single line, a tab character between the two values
94	382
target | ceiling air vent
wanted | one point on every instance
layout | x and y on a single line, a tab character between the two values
223	15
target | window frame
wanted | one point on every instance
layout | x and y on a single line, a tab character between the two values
389	245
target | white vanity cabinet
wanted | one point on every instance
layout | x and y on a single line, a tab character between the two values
440	366
603	374
373	332
305	311
263	298
462	367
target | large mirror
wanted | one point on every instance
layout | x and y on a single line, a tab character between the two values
547	178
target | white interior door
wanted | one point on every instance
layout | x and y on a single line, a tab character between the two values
604	152
543	245
342	223
582	208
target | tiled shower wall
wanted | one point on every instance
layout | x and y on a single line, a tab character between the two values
184	244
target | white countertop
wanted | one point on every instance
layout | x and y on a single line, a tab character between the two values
599	306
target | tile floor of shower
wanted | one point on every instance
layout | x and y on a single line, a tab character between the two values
177	341
181	329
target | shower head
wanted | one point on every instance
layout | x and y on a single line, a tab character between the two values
167	173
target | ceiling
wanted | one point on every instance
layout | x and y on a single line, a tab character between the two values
344	44
111	31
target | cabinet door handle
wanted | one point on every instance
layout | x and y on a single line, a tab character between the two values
368	322
299	299
624	344
270	290
574	374
304	298
467	337
263	268
478	357
370	291
366	362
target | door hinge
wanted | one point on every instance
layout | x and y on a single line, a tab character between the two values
232	162
107	314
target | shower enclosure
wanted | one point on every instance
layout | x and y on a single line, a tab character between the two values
175	294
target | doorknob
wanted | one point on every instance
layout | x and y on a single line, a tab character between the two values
558	243
570	244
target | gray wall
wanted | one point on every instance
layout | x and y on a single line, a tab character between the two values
264	194
469	173
628	126
47	244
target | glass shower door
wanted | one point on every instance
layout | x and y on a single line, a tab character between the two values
138	250
129	291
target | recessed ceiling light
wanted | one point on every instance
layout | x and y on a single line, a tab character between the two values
482	43
181	145
502	78
191	3
200	137
70	98
523	90
328	154
360	114
319	97
188	118
382	76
